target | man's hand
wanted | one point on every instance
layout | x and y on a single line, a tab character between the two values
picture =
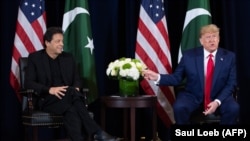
78	89
150	75
212	106
58	91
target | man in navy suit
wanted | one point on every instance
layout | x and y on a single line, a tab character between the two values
192	69
53	74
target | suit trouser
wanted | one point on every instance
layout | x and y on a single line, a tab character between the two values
185	104
77	120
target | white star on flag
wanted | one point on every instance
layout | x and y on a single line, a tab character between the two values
90	45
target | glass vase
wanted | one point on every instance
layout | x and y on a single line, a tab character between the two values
128	88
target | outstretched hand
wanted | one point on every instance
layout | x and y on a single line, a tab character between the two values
150	75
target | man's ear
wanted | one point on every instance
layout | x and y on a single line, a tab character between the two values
46	43
201	41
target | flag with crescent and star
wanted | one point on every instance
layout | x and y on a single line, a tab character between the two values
197	15
78	41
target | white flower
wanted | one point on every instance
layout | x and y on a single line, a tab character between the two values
125	68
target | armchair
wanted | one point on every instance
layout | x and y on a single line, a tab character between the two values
33	117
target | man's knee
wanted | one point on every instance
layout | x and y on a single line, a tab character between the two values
235	109
179	107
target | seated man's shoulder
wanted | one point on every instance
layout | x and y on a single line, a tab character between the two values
226	51
192	52
37	53
66	54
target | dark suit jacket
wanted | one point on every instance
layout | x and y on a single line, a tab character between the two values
38	75
191	67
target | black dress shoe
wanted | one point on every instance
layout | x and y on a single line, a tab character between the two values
103	136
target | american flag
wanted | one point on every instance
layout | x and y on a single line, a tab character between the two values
153	48
30	27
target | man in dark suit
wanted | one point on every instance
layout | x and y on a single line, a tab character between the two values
52	73
192	67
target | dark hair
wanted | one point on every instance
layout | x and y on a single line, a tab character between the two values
50	32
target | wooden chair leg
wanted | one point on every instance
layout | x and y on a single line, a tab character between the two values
26	134
35	134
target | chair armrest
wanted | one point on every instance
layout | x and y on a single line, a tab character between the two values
85	91
26	92
27	102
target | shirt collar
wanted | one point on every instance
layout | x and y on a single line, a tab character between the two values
206	53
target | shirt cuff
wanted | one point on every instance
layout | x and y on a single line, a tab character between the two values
218	101
158	80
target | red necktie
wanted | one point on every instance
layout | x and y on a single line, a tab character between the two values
208	82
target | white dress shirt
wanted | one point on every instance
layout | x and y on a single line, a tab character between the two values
206	57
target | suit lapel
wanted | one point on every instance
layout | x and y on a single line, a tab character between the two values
219	59
218	65
63	67
200	65
45	62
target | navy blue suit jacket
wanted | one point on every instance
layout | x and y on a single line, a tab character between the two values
191	67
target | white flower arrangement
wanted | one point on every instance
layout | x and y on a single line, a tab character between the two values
125	68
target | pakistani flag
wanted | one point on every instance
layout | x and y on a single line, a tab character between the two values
197	15
78	40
